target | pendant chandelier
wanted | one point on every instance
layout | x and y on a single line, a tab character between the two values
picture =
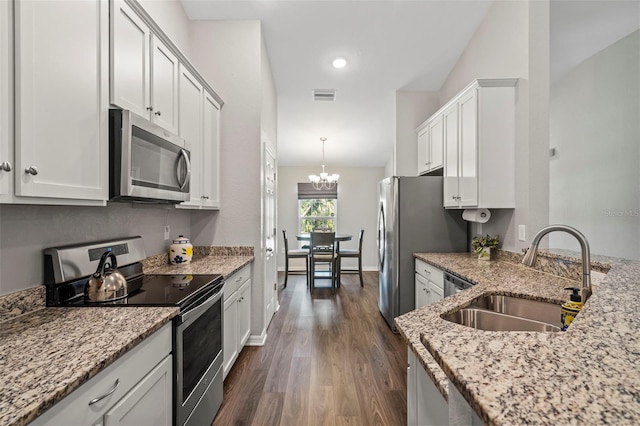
325	181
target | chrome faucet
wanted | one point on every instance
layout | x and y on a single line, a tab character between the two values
530	257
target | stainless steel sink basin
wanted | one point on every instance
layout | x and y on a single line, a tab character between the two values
521	308
493	321
494	312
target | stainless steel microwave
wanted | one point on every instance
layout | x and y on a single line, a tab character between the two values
146	162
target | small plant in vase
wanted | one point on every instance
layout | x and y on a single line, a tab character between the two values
482	246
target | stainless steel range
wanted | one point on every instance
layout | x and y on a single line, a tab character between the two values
197	329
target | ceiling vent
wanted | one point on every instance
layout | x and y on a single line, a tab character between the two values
324	95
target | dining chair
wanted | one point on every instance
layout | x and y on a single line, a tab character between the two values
294	254
352	253
322	250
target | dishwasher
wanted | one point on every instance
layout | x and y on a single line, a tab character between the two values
453	284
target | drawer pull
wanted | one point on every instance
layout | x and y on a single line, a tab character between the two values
100	398
427	271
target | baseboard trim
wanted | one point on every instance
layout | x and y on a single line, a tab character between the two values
258	340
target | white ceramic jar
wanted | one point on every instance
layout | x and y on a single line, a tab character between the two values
181	251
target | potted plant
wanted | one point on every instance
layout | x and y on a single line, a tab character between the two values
482	246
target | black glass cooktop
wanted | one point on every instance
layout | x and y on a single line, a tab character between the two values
144	290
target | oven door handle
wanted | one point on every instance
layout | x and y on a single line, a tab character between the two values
193	313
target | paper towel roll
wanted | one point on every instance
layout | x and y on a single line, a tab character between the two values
476	215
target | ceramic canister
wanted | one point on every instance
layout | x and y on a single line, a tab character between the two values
181	251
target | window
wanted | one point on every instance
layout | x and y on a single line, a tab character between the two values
317	214
317	209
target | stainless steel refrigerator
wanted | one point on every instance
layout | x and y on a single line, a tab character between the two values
411	219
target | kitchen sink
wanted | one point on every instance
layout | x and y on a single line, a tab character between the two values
494	312
494	321
521	308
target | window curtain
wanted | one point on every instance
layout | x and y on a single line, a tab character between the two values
306	191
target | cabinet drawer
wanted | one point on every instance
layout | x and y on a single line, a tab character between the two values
233	283
431	273
126	371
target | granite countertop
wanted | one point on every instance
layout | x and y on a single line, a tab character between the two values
588	374
46	353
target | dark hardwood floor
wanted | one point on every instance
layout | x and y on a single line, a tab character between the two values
329	359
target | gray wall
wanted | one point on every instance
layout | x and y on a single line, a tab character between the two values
357	207
595	129
26	230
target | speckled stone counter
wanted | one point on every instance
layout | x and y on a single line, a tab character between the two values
586	375
225	265
47	354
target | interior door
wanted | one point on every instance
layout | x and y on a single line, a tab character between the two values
269	232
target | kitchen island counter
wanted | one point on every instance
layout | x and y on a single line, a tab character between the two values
587	374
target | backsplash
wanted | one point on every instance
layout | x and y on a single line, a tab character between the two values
563	263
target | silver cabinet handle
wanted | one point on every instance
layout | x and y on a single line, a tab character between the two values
100	398
6	166
33	170
427	271
158	113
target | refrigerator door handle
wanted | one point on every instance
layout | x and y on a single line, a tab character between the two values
381	237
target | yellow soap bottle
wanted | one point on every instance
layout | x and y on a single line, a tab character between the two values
571	308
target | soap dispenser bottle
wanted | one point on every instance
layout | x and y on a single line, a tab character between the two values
570	309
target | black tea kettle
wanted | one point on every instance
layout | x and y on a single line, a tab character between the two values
106	284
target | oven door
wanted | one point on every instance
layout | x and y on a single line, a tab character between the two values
198	360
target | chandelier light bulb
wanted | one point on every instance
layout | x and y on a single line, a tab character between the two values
339	63
324	181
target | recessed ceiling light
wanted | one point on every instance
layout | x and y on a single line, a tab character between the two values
339	63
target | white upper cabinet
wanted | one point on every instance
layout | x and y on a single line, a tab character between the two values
430	155
144	71
211	153
6	100
190	128
130	60
164	85
61	99
479	146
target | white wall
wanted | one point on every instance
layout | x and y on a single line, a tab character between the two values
357	207
594	127
170	16
412	109
513	41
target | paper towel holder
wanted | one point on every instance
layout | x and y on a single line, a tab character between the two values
476	215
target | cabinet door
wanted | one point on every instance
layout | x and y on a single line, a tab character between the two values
423	150
190	128
412	409
432	408
61	103
211	153
244	314
164	85
422	291
130	53
6	99
230	343
435	144
468	151
148	403
450	128
435	292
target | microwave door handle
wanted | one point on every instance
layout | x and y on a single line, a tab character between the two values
185	156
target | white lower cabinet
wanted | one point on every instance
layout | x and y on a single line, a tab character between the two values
135	390
425	403
429	284
237	316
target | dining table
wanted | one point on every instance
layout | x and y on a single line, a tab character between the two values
337	238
